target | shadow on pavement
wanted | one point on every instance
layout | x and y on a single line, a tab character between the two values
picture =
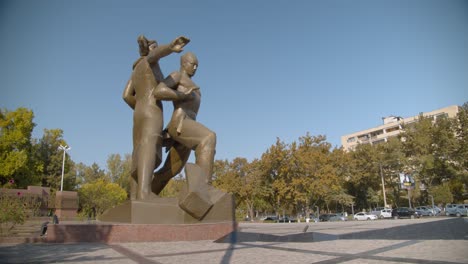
450	229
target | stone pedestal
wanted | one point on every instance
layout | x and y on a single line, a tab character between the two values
167	211
201	212
124	233
198	202
66	204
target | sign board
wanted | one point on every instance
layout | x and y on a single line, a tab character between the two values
406	181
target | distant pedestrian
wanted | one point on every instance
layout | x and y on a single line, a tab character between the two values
44	228
55	219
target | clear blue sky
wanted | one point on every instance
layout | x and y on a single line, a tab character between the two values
267	69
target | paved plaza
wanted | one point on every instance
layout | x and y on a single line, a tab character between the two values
427	240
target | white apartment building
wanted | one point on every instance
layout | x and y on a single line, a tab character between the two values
392	126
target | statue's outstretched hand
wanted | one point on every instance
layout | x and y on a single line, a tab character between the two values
178	44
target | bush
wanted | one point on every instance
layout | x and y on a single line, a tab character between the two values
15	209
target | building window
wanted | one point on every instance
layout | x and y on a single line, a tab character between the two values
376	133
391	129
351	140
363	137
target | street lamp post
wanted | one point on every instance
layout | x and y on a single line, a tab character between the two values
383	186
433	208
65	149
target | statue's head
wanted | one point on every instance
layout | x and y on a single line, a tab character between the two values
189	63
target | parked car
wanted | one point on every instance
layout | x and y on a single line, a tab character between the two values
402	212
270	218
450	209
313	218
435	209
331	217
425	211
382	212
287	219
342	216
364	216
456	209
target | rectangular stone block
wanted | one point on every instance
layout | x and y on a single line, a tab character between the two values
194	204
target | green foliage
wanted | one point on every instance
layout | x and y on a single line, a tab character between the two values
89	174
118	170
12	213
174	186
460	156
442	194
288	178
15	208
16	159
100	195
435	153
50	157
373	197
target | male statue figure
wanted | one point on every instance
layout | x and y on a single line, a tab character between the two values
183	128
142	96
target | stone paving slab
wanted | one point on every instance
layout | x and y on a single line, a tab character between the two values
429	240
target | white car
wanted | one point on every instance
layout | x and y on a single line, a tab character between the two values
382	213
364	216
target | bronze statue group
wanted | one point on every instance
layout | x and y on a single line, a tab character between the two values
144	92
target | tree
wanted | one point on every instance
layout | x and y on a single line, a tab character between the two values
227	179
100	195
118	170
93	173
50	157
16	159
114	167
461	150
372	197
253	189
87	174
315	176
174	186
391	161
363	174
274	167
430	146
244	180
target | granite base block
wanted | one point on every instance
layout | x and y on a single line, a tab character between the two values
123	233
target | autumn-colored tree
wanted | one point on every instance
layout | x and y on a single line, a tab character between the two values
274	165
315	176
253	190
225	178
174	186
